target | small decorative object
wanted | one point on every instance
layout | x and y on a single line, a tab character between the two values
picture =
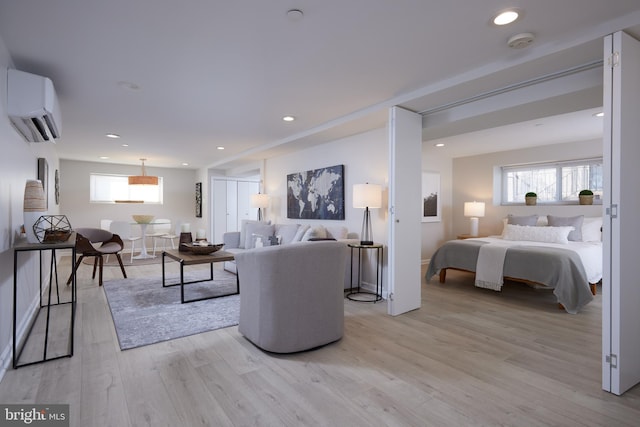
52	229
57	187
200	235
43	176
530	199
34	206
185	237
143	219
198	249
586	197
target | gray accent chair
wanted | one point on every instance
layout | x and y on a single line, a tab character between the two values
292	296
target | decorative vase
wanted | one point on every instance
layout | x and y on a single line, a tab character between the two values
586	200
530	201
34	206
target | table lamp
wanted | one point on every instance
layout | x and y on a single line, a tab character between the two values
367	196
259	201
474	210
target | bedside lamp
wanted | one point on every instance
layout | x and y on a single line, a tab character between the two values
260	201
474	210
367	196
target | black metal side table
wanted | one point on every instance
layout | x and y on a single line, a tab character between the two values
70	243
359	294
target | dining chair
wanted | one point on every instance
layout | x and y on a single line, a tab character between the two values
109	244
124	230
161	229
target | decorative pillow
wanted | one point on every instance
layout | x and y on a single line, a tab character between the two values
537	234
301	230
286	232
243	230
315	232
591	229
573	221
522	220
260	229
337	232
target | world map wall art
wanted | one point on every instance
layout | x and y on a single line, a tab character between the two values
316	194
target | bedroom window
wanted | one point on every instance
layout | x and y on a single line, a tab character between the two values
557	182
104	188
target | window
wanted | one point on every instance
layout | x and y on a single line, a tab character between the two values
105	188
558	182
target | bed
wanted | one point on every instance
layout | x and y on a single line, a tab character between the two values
572	268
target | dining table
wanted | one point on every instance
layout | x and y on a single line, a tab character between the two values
143	231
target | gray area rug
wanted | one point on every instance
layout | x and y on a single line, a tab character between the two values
146	313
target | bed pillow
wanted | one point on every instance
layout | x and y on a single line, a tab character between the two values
522	220
573	221
537	234
592	229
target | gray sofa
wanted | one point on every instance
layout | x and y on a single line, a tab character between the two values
254	233
291	296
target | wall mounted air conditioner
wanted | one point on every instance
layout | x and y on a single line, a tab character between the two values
32	106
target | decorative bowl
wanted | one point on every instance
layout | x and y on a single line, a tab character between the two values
143	219
201	250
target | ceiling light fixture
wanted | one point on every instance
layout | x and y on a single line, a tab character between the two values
104	157
506	17
520	41
600	114
112	135
288	118
143	179
440	144
220	147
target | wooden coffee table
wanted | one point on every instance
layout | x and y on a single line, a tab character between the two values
187	258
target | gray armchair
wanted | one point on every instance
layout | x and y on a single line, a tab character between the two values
292	296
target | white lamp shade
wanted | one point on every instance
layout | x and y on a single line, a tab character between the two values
367	196
474	209
259	201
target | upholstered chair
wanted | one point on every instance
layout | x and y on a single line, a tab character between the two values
109	243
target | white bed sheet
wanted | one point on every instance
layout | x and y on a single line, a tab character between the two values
590	252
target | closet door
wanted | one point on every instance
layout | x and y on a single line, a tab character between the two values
621	231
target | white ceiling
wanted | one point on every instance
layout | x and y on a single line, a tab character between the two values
223	73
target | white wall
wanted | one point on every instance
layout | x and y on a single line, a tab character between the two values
179	195
17	164
473	180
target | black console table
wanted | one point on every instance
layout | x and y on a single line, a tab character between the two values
360	295
70	243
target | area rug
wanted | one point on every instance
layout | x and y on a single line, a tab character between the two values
112	261
146	313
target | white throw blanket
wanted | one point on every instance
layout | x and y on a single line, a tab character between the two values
490	265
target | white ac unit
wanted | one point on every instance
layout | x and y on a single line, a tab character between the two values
32	106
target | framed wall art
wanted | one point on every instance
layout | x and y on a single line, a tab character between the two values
431	209
198	200
316	194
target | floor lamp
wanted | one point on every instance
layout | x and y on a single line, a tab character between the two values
260	201
367	196
474	210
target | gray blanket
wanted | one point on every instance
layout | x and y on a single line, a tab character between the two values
560	269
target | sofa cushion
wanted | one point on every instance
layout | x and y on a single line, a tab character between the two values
243	230
337	232
287	232
301	230
314	232
257	229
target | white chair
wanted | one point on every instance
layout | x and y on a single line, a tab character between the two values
123	229
161	229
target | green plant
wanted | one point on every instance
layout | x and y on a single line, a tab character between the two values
531	194
586	193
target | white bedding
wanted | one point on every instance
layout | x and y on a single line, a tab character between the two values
590	252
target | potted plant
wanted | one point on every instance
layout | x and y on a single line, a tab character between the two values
586	197
530	198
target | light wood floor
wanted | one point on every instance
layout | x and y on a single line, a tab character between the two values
468	357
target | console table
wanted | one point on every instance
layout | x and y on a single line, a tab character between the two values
21	247
370	296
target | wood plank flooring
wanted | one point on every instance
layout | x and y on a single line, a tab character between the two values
468	357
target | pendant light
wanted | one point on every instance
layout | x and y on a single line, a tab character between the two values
143	179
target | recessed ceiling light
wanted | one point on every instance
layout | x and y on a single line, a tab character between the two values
112	135
288	118
600	114
104	157
129	85
220	147
185	164
439	145
294	15
125	145
506	17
